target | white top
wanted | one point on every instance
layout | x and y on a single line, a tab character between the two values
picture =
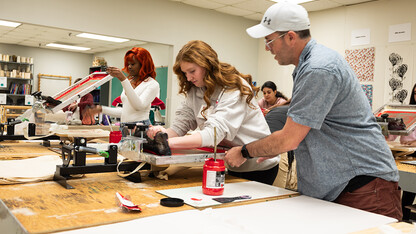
136	102
237	123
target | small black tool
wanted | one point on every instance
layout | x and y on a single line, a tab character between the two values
230	199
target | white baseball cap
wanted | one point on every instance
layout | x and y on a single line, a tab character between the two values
282	16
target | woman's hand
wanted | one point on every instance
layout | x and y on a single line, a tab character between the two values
151	132
73	106
265	111
116	72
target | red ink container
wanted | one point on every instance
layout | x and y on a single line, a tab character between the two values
115	137
213	179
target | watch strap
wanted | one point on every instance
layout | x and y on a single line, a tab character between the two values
245	152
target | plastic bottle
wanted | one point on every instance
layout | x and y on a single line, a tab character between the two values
39	113
213	179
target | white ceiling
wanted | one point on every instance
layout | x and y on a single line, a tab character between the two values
254	9
39	36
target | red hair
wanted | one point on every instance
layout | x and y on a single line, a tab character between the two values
145	59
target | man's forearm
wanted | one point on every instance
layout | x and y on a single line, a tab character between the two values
269	146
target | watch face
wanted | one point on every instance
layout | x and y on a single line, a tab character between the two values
245	153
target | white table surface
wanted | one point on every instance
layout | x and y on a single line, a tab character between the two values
300	214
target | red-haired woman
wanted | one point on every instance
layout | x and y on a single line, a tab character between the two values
139	88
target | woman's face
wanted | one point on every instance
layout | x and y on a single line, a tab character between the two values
134	67
194	73
269	95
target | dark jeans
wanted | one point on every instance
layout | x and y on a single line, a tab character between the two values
266	177
378	196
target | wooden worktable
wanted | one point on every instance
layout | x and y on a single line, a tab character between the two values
400	226
48	207
407	175
24	149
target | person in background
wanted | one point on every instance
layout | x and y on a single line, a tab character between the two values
408	198
139	88
341	154
217	96
79	107
286	177
271	97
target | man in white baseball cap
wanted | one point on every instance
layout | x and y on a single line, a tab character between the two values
281	17
341	153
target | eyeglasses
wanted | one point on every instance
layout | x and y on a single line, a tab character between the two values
269	42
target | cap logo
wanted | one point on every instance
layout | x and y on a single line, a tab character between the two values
267	20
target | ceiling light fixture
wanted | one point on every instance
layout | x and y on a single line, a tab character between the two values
9	24
69	47
103	38
295	1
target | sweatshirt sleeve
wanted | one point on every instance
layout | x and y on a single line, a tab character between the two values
228	117
115	112
145	97
185	118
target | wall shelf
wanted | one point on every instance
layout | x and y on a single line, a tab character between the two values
17	81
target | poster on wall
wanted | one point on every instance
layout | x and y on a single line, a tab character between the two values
398	74
362	62
368	90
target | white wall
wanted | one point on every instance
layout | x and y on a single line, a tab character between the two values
52	62
160	55
161	21
333	28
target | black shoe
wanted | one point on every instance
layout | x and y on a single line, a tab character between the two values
159	145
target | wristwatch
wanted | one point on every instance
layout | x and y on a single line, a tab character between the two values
245	152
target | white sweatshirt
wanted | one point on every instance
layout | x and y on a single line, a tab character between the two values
136	102
237	123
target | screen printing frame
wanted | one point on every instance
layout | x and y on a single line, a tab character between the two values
183	156
399	111
80	89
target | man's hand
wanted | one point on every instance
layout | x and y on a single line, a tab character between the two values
234	158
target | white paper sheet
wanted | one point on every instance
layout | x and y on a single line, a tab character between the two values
28	170
400	32
193	196
360	37
301	214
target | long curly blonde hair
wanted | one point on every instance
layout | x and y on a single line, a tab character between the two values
217	73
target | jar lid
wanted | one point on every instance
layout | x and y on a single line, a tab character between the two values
171	202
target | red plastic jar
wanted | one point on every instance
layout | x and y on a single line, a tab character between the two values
115	137
213	179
